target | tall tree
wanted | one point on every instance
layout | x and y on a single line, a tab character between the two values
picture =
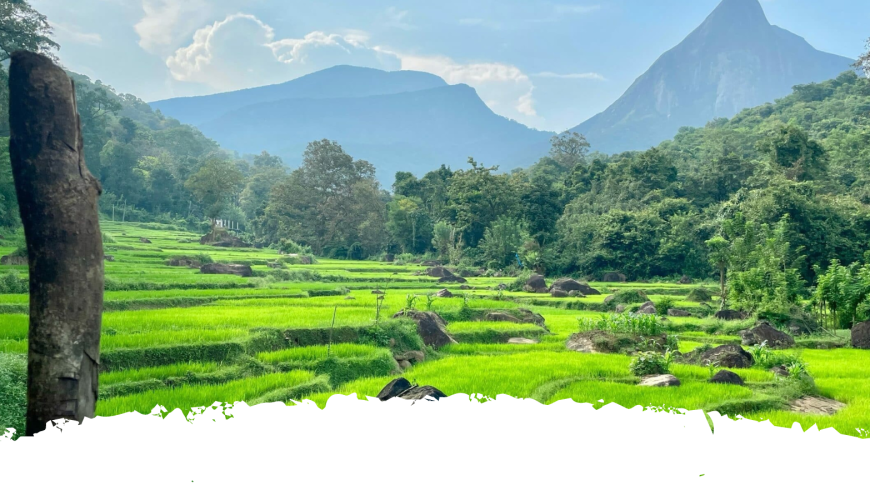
214	185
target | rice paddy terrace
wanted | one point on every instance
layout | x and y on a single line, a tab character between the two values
176	337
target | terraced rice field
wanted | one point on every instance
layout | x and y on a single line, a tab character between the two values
175	337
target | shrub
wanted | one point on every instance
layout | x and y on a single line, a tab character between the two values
767	358
286	245
664	304
627	297
651	363
107	238
12	283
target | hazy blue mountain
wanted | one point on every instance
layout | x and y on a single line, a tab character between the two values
735	60
400	120
338	81
410	131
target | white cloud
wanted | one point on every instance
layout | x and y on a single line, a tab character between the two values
241	51
570	76
168	23
504	87
69	33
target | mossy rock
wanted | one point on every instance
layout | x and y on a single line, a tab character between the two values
700	295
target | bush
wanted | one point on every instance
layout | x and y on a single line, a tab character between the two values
663	305
286	245
12	283
108	238
767	358
627	297
651	363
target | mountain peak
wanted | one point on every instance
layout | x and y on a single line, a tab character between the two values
737	14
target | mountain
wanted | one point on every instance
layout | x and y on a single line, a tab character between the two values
735	60
337	81
399	120
411	131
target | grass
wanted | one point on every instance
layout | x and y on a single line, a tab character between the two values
187	397
183	314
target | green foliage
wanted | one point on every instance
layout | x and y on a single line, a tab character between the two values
642	324
842	296
699	294
10	282
651	363
13	392
768	358
626	297
502	241
663	304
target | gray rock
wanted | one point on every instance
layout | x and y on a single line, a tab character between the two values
764	332
659	381
726	377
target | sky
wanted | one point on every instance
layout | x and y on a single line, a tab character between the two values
548	65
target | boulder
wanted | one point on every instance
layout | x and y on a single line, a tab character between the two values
575	293
764	332
222	238
144	240
620	308
527	316
536	284
452	279
613	278
726	377
726	356
464	287
569	285
861	335
780	371
394	388
560	294
404	364
609	299
184	263
816	405
659	381
730	315
647	308
218	268
444	294
501	286
501	316
520	340
439	272
431	327
109	258
377	292
418	393
685	280
415	356
679	313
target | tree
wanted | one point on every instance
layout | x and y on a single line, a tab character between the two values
476	198
214	185
719	254
792	152
21	28
502	241
265	175
409	224
863	62
569	149
331	203
58	206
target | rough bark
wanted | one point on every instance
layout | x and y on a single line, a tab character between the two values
57	197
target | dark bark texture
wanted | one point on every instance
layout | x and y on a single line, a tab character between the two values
57	197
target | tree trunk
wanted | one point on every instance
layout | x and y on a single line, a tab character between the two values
722	287
57	198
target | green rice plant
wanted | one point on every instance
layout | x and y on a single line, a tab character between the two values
651	363
317	352
634	324
155	372
192	396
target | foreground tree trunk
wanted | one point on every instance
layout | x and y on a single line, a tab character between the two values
57	197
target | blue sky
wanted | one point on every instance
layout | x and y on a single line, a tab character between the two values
549	65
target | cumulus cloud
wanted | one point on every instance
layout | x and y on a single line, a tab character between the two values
504	87
241	51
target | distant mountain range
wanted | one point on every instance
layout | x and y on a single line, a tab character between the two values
399	120
735	60
414	121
